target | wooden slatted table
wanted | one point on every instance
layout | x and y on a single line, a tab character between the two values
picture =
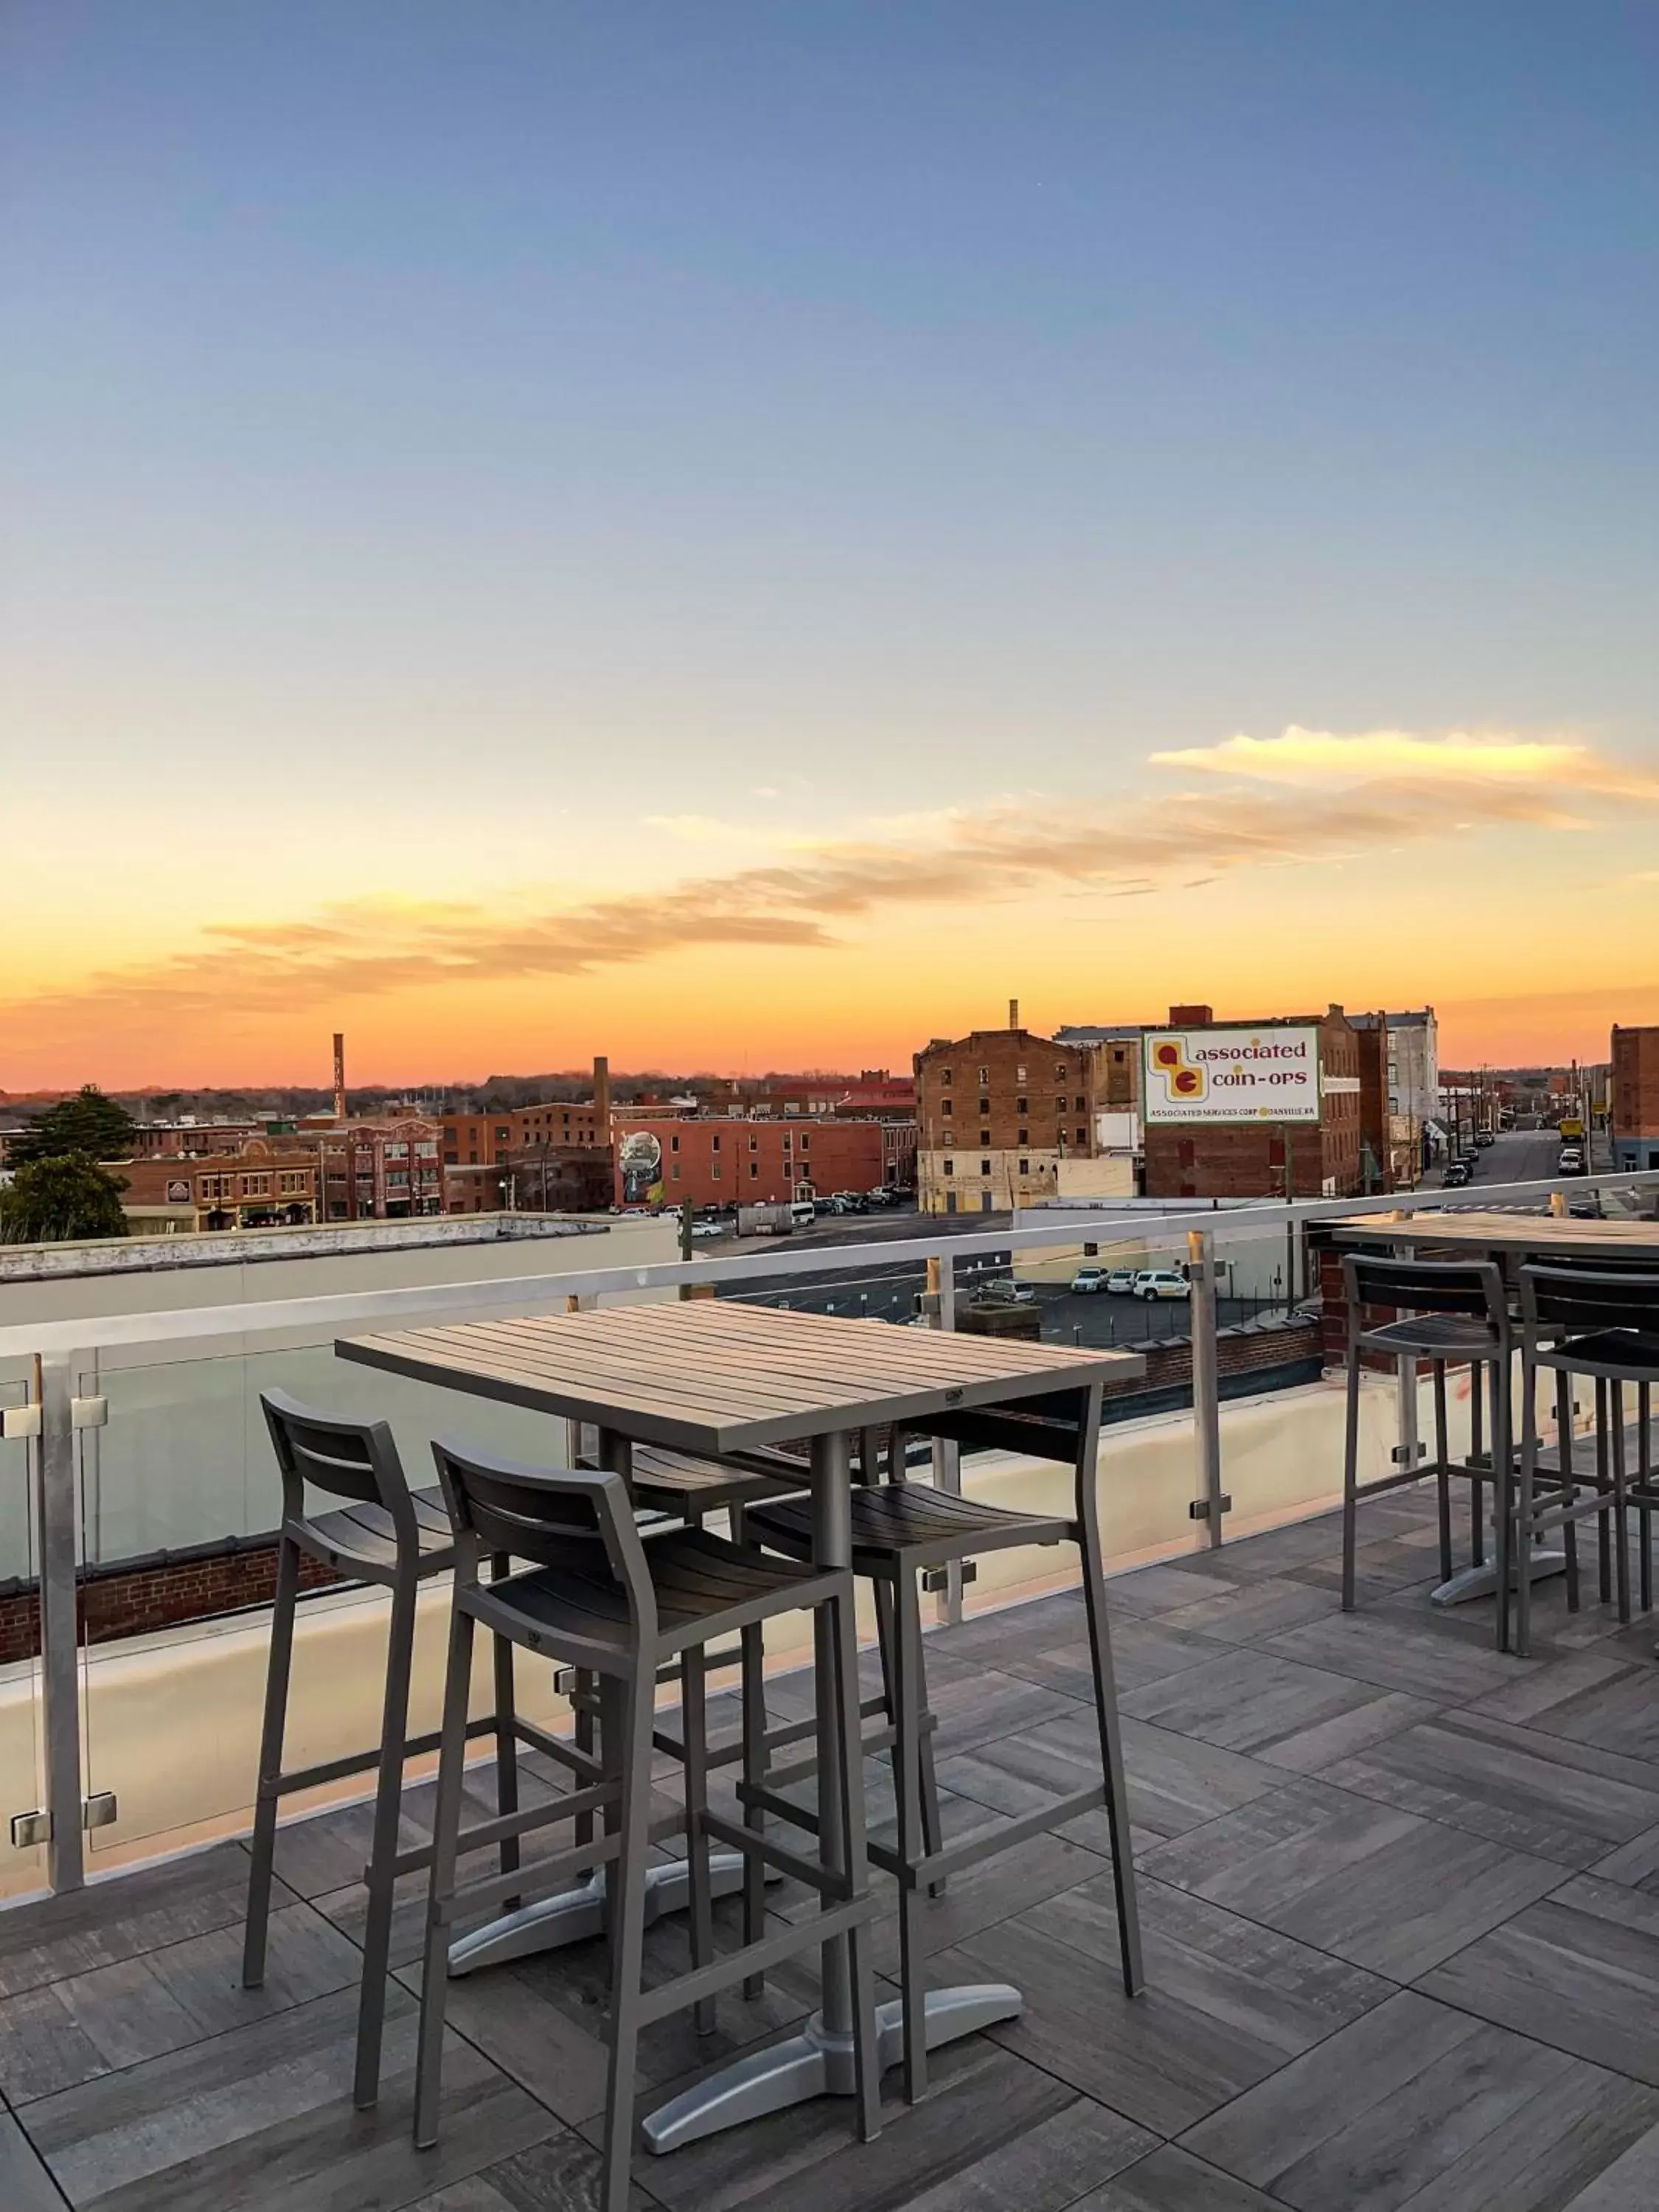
714	1377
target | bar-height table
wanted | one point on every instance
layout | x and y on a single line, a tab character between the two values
1507	1238
717	1378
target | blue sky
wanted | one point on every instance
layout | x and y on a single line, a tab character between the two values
525	451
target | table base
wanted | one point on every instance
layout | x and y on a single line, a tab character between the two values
1481	1582
818	2063
576	1914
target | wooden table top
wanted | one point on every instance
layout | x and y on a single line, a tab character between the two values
1507	1232
711	1375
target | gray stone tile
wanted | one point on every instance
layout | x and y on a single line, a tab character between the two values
1173	2180
1630	2183
1143	1650
1242	1612
1426	1654
1311	1750
1225	2002
1533	1792
1174	1782
1579	1970
1620	1715
1530	1696
1416	2105
263	2119
1383	1888
124	1916
560	2175
1249	1701
25	2184
1163	1587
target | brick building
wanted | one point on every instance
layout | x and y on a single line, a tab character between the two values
998	1112
1118	1052
1635	1098
259	1186
374	1170
706	1159
1265	1159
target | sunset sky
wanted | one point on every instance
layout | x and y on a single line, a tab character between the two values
744	536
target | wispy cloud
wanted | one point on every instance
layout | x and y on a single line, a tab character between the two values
1353	796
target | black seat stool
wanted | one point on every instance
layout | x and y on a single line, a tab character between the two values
601	1597
1451	1311
385	1533
899	1529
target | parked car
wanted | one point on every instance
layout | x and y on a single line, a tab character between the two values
1088	1280
1121	1282
1483	1137
1004	1291
1162	1283
1456	1174
705	1229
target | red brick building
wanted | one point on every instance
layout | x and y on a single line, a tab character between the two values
998	1111
1268	1159
747	1160
1635	1098
379	1170
257	1186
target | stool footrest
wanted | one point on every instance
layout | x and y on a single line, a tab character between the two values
754	1958
507	1826
528	1884
985	1843
756	1846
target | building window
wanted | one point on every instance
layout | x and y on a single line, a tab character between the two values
1060	1103
502	1136
985	1136
1062	1070
714	1172
1024	1137
945	1076
985	1167
754	1144
1019	1075
1020	1106
674	1172
673	1144
1025	1167
1083	1136
714	1145
949	1167
754	1170
805	1140
984	1077
984	1105
945	1108
1081	1106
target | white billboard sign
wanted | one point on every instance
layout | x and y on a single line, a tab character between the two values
1231	1075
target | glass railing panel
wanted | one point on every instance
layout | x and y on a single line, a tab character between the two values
23	1867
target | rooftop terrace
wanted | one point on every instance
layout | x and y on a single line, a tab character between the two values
1400	1897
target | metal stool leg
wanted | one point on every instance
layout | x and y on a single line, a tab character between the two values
383	1851
446	1829
753	1684
1523	1528
1604	1484
694	1717
1443	1469
506	1740
1569	1481
279	1668
849	1758
1349	1477
627	1920
907	1706
1644	1486
1477	1449
1620	1508
1502	1494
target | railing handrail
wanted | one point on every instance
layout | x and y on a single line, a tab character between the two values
407	1305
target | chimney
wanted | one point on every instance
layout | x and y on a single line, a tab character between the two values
1013	1013
602	1098
339	1076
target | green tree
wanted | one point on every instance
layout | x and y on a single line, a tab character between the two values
62	1196
89	1124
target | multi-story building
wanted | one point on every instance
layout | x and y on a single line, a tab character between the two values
1392	1136
188	1139
374	1170
1118	1050
730	1159
1635	1097
999	1114
257	1186
1226	1140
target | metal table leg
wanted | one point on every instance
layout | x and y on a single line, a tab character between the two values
818	2061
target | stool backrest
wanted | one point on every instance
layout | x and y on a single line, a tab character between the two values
581	1519
1580	1299
1471	1287
354	1460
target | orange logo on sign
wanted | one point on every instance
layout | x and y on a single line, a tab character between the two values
1181	1078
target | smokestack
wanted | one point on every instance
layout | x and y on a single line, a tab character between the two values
339	1076
602	1098
1013	1013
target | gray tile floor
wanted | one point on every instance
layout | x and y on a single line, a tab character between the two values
1401	1899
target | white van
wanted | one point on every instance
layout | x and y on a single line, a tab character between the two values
802	1212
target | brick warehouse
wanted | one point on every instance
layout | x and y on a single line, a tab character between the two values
1635	1097
1268	1159
998	1111
737	1160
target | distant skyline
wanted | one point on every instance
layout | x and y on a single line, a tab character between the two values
746	537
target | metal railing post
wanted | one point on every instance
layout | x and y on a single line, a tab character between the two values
60	1653
947	1457
1213	1502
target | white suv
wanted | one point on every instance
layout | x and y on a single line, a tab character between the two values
1162	1283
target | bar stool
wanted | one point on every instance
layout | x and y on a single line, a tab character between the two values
601	1597
1574	1320
1449	1310
397	1538
899	1529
